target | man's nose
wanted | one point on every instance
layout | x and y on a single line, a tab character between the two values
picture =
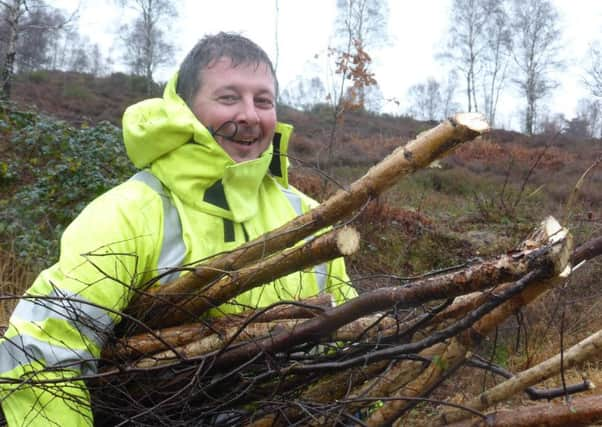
248	112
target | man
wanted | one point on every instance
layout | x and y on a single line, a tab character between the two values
210	182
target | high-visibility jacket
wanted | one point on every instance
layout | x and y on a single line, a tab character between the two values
190	201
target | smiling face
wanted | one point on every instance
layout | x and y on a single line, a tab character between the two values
238	104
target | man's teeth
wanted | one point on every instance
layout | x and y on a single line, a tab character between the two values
245	142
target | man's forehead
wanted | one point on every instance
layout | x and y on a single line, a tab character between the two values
215	70
227	62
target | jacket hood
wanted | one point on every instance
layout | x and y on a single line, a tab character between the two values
165	135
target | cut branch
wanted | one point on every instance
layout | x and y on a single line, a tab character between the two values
336	243
451	357
582	411
162	339
584	350
532	392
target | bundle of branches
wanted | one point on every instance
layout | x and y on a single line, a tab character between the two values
309	362
367	361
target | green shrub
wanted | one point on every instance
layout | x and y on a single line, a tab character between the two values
60	169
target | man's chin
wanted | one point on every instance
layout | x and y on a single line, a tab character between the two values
240	152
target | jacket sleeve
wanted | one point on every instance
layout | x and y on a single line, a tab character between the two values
337	281
339	284
59	326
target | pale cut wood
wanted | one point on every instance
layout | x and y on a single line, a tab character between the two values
584	350
582	411
175	336
465	303
336	243
416	154
235	332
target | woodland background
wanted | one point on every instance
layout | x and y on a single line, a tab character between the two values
60	146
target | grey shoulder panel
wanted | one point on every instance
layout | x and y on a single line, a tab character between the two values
173	248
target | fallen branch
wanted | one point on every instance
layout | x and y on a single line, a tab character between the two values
451	356
543	262
584	350
175	336
582	411
532	392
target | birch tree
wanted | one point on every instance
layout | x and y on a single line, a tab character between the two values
593	79
536	53
19	17
145	42
467	43
496	57
426	100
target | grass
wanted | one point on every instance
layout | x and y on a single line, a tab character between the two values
15	277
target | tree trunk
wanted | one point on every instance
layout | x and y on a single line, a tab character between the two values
13	15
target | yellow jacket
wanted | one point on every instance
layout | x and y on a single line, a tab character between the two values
191	202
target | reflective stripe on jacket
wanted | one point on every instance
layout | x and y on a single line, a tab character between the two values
192	201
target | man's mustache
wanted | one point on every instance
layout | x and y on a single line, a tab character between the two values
235	132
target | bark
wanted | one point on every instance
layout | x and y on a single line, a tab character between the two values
361	328
465	303
532	392
398	375
588	250
13	13
416	154
163	339
337	243
582	411
547	261
452	356
584	350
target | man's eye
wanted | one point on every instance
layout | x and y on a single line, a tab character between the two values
228	98
264	102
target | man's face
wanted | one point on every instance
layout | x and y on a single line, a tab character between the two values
244	95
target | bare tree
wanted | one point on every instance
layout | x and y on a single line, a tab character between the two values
145	42
361	23
363	20
590	111
426	100
536	52
40	27
593	79
467	42
31	19
13	13
433	99
304	93
448	93
374	98
496	57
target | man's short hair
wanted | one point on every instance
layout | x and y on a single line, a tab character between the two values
239	49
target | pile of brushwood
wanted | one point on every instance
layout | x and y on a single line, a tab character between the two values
368	361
